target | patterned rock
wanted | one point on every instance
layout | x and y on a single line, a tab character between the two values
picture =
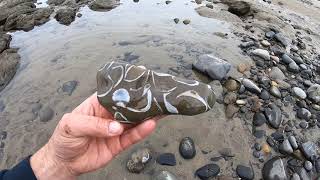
133	93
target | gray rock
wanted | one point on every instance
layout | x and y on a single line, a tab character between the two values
264	95
276	74
282	39
264	54
245	172
314	93
295	176
274	169
285	147
187	148
46	114
4	42
299	93
303	66
283	84
9	60
55	2
317	165
303	124
104	5
303	173
293	142
239	8
208	171
270	34
293	67
65	15
287	59
275	91
304	113
309	149
69	87
215	67
167	159
186	21
308	165
298	59
2	106
165	175
273	115
138	160
176	20
247	44
251	86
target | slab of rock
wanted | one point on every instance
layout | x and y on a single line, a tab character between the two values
104	5
208	171
273	115
138	160
274	169
65	16
239	8
214	67
9	60
133	93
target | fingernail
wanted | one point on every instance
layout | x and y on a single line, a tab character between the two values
114	127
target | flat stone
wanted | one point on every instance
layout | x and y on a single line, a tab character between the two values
309	149
299	93
286	59
274	169
168	159
285	147
247	44
138	160
208	171
282	39
275	92
165	175
314	93
303	124
176	20
133	93
264	54
295	176
259	119
251	86
245	172
276	74
293	67
231	110
273	115
216	68
46	114
187	148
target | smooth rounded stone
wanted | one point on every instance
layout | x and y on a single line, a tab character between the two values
308	165
232	85
287	59
309	149
251	86
256	154
304	175
276	74
167	159
176	20
293	142
315	106
270	34
264	54
187	148
274	169
186	21
297	59
257	146
79	15
294	48
304	113
314	93
133	93
275	59
275	92
69	87
273	115
247	44
164	175
264	95
103	5
216	68
303	124
138	160
282	39
46	114
303	66
259	119
242	67
168	2
245	172
65	16
283	84
259	134
295	176
299	93
285	147
239	8
230	98
266	148
265	43
208	171
241	102
198	1
293	67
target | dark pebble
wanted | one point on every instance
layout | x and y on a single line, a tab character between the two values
270	34
46	114
208	171
167	159
303	124
259	133
256	154
245	172
176	20
259	119
187	148
257	146
69	87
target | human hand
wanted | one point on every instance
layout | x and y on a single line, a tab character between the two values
85	140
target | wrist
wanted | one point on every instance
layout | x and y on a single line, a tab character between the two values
45	167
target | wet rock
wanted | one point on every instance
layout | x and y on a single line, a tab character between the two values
309	149
264	95
313	93
198	1
259	134
176	20
103	5
264	54
215	67
46	114
2	106
232	85
270	34
153	93
299	93
65	15
69	87
276	74
9	60
138	160
4	42
208	171
259	119
275	92
231	110
251	86
274	169
209	6
165	175
295	176
79	15
167	159
285	147
239	8
304	113
282	39
308	165
168	2
187	148
287	59
273	115
245	172
186	21
293	142
230	98
293	67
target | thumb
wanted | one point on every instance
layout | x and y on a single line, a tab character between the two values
81	125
